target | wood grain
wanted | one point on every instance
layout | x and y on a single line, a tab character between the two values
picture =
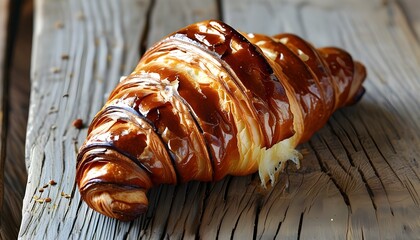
169	16
4	19
411	11
15	177
360	174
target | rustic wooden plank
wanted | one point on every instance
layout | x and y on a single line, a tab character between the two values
17	77
81	48
4	19
359	178
11	180
169	16
412	13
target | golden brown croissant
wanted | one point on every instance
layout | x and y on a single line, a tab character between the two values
206	102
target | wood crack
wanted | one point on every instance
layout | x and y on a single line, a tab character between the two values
227	182
413	193
368	188
366	151
280	223
352	164
219	6
382	154
380	180
300	226
204	202
79	206
376	173
247	204
220	224
145	34
173	196
333	180
256	219
337	158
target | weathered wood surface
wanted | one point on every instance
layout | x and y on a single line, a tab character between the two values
17	50
4	17
360	174
411	11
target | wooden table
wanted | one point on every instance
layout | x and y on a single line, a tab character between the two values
360	173
15	55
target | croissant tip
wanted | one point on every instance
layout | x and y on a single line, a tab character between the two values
116	202
127	211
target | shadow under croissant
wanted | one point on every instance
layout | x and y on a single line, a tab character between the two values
189	206
195	203
192	198
216	208
208	209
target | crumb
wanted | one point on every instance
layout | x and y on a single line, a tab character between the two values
52	182
59	24
45	186
55	70
65	57
78	123
41	190
65	195
42	200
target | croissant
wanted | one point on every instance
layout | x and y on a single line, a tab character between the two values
206	102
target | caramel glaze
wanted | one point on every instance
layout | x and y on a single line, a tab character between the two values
203	98
320	78
253	74
184	141
184	111
216	125
300	78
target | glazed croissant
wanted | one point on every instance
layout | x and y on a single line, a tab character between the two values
206	102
